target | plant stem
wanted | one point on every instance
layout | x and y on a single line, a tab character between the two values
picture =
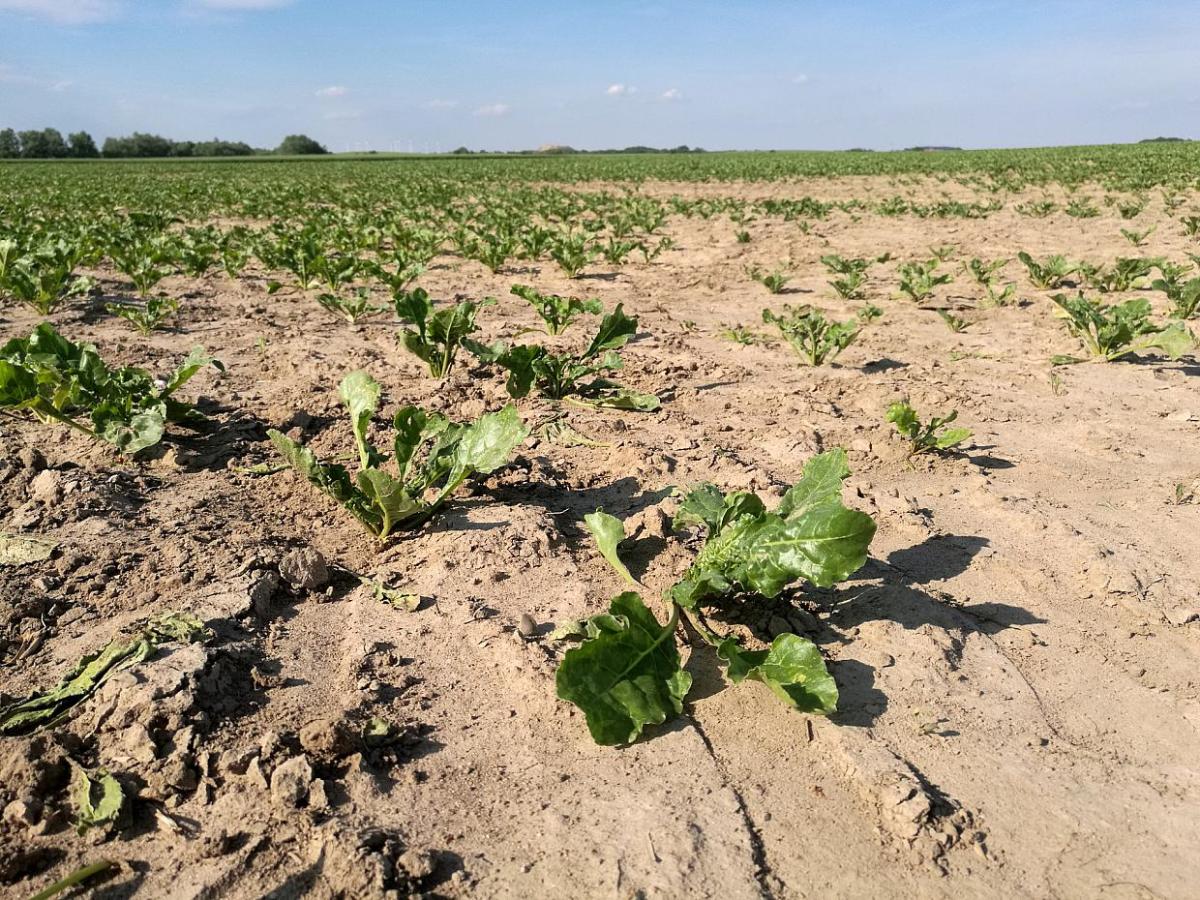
79	876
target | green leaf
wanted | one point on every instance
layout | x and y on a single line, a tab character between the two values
520	362
904	417
196	360
608	532
705	505
140	431
98	801
627	674
627	399
820	482
1174	341
389	498
415	307
487	444
360	392
615	331
394	598
792	668
18	386
952	437
331	479
811	536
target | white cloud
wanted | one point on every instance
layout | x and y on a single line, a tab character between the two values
243	5
334	90
440	104
341	115
9	75
493	110
672	94
620	90
64	12
800	79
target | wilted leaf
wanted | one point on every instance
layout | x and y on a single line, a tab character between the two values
46	707
16	550
98	801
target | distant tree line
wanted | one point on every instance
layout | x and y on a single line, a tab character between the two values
50	144
563	150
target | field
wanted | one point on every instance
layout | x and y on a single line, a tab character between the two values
992	643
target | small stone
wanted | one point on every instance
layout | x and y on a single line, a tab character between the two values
20	812
803	620
318	798
860	445
136	741
32	458
418	864
46	487
1183	615
778	625
526	627
304	569
326	738
290	782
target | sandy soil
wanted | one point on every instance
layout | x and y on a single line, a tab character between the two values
1017	662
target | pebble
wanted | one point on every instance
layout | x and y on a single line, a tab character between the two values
304	569
32	458
290	782
526	627
778	625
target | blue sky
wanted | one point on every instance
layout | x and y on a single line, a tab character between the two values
511	74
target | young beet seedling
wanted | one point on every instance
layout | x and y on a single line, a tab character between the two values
1184	296
957	324
1050	272
58	380
557	312
774	281
853	274
931	438
814	338
432	455
627	673
740	334
559	376
352	309
437	336
918	279
145	318
1114	332
44	277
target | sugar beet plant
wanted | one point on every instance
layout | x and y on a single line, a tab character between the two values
432	456
918	279
1049	273
580	377
926	437
627	673
57	380
1114	332
557	312
42	277
814	338
437	334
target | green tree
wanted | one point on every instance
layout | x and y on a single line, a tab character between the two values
10	144
82	145
299	145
